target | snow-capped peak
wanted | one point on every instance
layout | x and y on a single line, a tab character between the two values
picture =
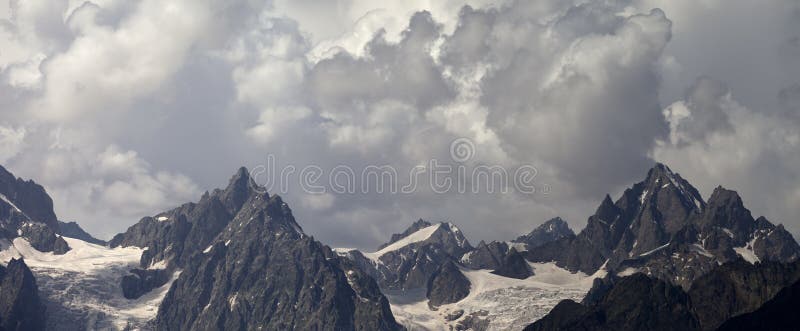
418	236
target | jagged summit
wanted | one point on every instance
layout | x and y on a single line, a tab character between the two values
244	261
172	237
445	233
409	259
662	225
239	188
554	229
416	226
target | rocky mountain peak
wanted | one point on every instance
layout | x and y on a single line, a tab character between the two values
262	271
239	188
416	226
661	178
555	224
662	217
725	198
554	229
28	198
607	209
725	209
452	236
261	213
27	211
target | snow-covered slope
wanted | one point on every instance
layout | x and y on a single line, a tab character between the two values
421	235
507	303
81	288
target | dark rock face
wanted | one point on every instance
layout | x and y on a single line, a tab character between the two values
447	285
27	211
141	281
411	266
262	272
565	314
29	197
730	290
43	238
486	256
643	219
773	243
174	236
551	230
738	287
780	313
514	266
20	306
662	227
635	302
60	246
73	230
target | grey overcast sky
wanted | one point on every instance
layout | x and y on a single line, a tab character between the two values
122	108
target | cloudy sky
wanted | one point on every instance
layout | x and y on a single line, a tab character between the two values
122	109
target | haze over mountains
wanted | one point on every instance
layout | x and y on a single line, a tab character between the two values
659	257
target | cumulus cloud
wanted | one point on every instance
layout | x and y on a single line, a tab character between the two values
123	109
11	142
105	68
701	113
103	188
754	155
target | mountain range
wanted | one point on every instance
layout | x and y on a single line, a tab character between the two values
659	257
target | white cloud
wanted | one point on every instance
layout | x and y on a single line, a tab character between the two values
318	201
98	188
125	108
276	121
11	142
106	68
754	156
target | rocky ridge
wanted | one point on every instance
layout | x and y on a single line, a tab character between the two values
27	211
20	306
262	271
662	227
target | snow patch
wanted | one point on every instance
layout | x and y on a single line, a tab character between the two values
747	253
158	265
654	250
627	272
85	281
702	251
511	303
643	197
467	257
162	219
420	235
4	198
728	232
232	301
